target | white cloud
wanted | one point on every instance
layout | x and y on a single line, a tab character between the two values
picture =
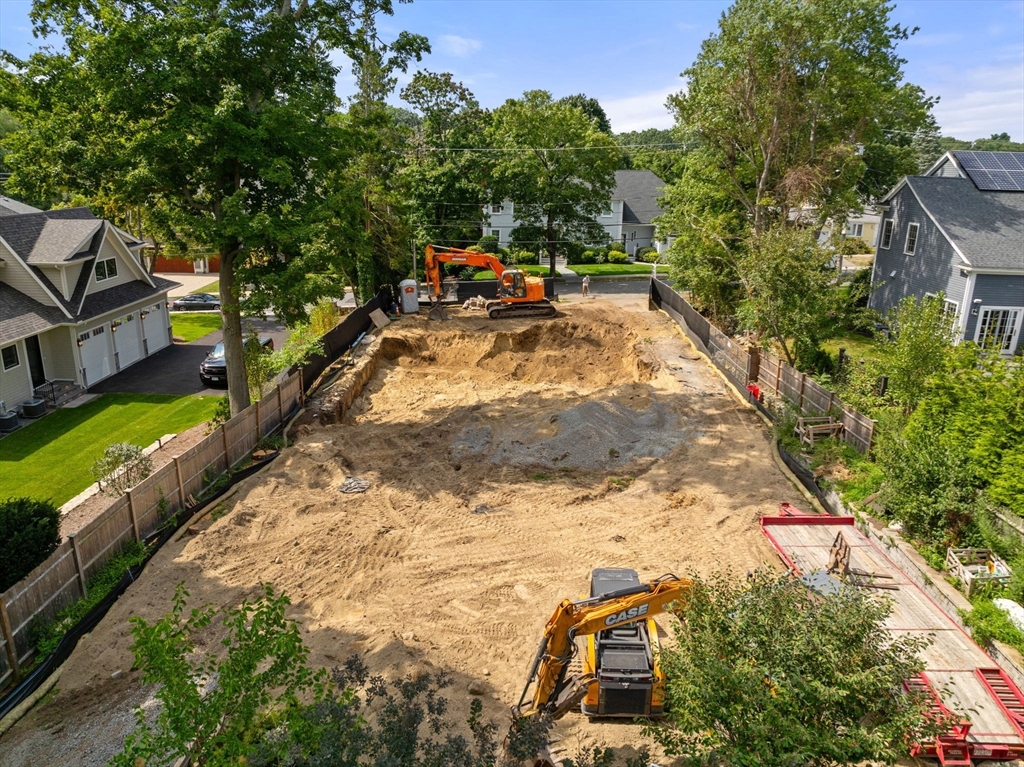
988	100
645	110
458	46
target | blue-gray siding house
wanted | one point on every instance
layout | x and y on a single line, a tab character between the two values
945	232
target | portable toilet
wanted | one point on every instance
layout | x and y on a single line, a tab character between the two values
410	296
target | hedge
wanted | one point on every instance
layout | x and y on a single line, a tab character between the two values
29	533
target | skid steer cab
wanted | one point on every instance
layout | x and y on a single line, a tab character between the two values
628	680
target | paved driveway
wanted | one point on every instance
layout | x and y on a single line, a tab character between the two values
175	369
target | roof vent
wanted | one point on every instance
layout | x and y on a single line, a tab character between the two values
892	273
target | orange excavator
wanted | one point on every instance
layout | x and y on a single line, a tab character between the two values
519	294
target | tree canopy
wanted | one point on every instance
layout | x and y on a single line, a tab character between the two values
556	190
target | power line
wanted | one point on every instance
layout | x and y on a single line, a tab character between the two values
549	148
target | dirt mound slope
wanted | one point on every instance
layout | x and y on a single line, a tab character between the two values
505	460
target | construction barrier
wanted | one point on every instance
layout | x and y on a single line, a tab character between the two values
764	371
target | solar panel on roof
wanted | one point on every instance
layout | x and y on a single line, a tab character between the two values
994	171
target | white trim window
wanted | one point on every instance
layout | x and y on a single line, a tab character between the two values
911	244
9	354
951	310
998	328
887	228
106	269
608	212
496	233
855	230
497	210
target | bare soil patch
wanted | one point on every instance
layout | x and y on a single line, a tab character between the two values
505	461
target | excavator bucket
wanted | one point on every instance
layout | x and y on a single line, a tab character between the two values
438	312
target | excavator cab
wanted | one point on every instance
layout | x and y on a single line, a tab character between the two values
512	285
623	659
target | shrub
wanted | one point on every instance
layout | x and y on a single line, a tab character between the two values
586	257
617	247
122	466
854	246
468	273
476	248
29	533
323	318
524	258
487	244
572	251
648	255
259	364
617	257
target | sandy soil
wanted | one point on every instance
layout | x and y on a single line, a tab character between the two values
495	453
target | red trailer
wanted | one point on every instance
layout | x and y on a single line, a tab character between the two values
962	679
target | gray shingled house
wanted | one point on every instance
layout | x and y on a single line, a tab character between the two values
959	229
627	218
76	305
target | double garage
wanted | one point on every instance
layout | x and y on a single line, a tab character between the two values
112	345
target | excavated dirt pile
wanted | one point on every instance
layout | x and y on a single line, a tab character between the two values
502	461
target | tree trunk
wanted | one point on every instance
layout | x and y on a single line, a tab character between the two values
550	236
234	356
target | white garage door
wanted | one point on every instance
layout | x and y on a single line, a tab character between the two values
96	356
128	340
154	327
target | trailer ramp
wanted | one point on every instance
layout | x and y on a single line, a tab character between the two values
962	678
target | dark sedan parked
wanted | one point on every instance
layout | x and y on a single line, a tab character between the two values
214	369
194	301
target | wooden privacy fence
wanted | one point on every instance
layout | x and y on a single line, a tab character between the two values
744	366
63	578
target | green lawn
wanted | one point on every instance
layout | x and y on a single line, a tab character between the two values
52	458
213	288
193	325
857	346
608	269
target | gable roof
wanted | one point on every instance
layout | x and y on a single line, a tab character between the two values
49	237
987	228
639	190
22	316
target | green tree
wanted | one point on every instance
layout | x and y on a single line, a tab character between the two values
557	189
211	703
768	674
8	125
920	342
784	92
658	150
591	108
213	112
446	183
790	293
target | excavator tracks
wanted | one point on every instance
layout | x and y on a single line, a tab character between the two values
499	311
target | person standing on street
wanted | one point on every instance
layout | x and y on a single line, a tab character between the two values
586	285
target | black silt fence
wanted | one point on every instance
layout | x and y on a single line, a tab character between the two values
489	289
340	339
696	327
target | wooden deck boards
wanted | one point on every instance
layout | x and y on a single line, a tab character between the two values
950	659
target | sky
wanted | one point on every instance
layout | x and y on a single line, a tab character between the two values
629	54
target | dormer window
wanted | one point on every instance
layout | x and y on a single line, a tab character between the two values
106	269
497	209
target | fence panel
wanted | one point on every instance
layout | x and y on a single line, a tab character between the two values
291	394
858	431
240	435
99	540
158	489
731	358
817	399
6	672
202	463
42	593
270	413
769	373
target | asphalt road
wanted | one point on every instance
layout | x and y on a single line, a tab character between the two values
175	369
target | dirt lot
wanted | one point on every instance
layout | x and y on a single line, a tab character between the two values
505	461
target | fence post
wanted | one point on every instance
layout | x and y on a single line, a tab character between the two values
871	436
753	363
77	556
831	400
227	456
131	511
778	375
280	405
181	482
302	390
12	653
258	435
800	400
